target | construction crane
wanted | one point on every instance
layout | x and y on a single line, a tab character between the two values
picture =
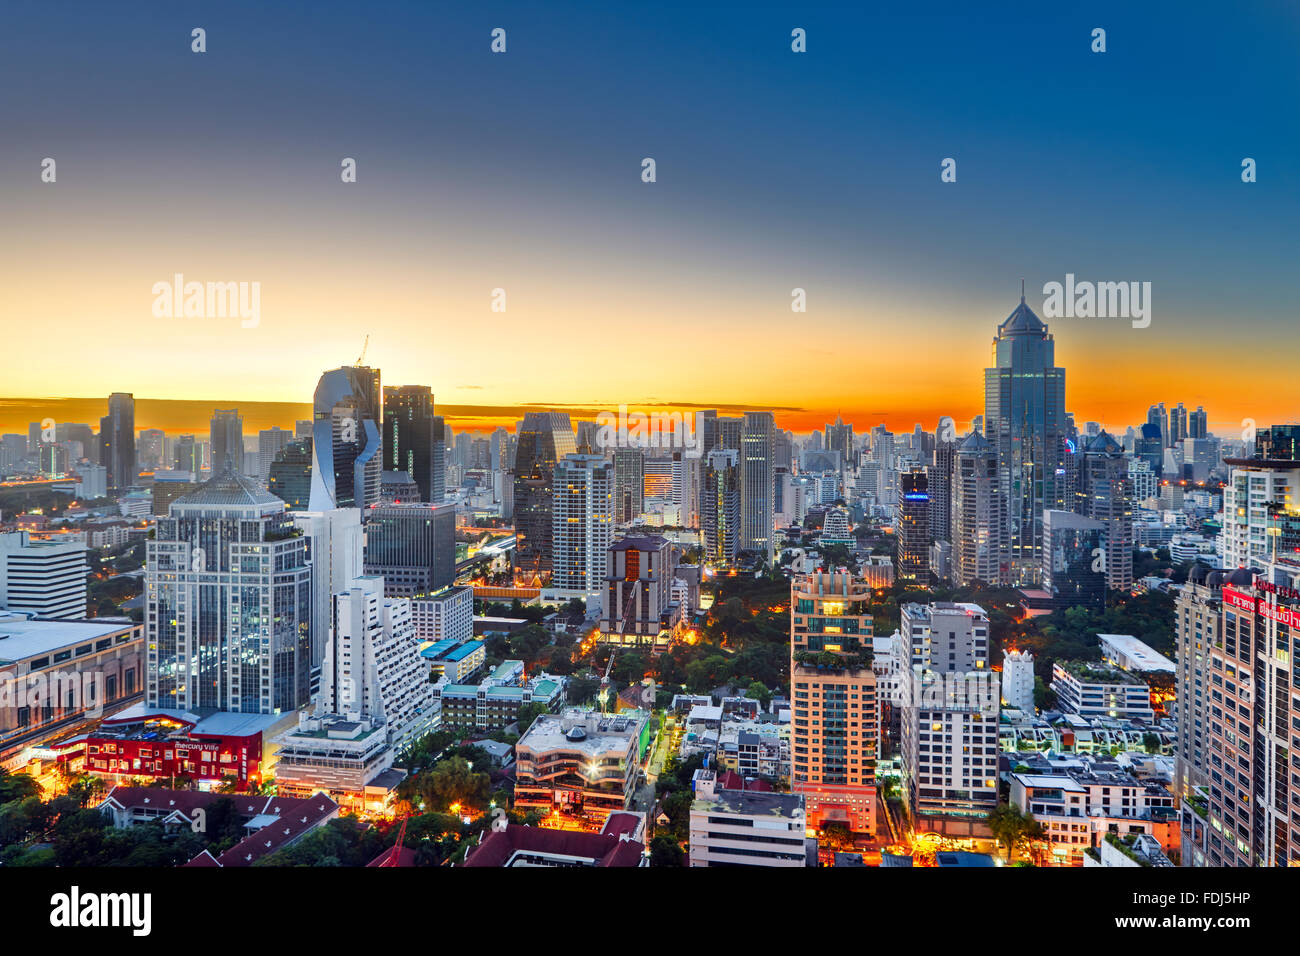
364	345
395	854
622	630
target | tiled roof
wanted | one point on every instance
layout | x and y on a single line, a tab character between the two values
498	846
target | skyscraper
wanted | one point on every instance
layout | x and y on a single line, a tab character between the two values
951	704
227	437
117	442
413	546
720	507
980	535
1106	495
940	485
1177	424
835	735
347	454
582	523
228	612
912	529
289	475
839	437
1025	421
629	484
270	442
544	438
1197	426
409	435
757	484
1074	548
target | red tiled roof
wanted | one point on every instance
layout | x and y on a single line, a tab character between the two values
620	822
296	817
498	846
154	798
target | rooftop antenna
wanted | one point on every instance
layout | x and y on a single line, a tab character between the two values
1022	291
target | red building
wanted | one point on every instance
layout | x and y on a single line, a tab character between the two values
158	743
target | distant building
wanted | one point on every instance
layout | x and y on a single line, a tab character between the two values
42	578
544	439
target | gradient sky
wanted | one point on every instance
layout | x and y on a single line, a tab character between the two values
775	170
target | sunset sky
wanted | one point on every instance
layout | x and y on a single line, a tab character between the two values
522	171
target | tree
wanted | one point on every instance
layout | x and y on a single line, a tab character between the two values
666	851
760	692
1012	828
1151	742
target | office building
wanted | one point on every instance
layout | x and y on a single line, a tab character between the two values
757	474
117	442
347	452
1105	494
70	671
228	602
226	437
912	528
288	477
720	508
412	546
409	436
270	442
1025	422
1074	560
980	534
444	614
1099	690
732	827
629	481
45	579
544	439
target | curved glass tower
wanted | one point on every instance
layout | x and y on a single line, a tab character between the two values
347	444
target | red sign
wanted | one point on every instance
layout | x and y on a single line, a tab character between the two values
1245	602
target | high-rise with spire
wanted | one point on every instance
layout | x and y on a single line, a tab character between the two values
1025	422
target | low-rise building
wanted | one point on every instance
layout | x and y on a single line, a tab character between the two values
745	827
1098	690
580	766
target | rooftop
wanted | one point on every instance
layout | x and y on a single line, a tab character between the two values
21	639
753	803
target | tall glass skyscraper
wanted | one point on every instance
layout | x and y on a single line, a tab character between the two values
1025	422
347	455
408	435
544	438
228	591
757	483
117	441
